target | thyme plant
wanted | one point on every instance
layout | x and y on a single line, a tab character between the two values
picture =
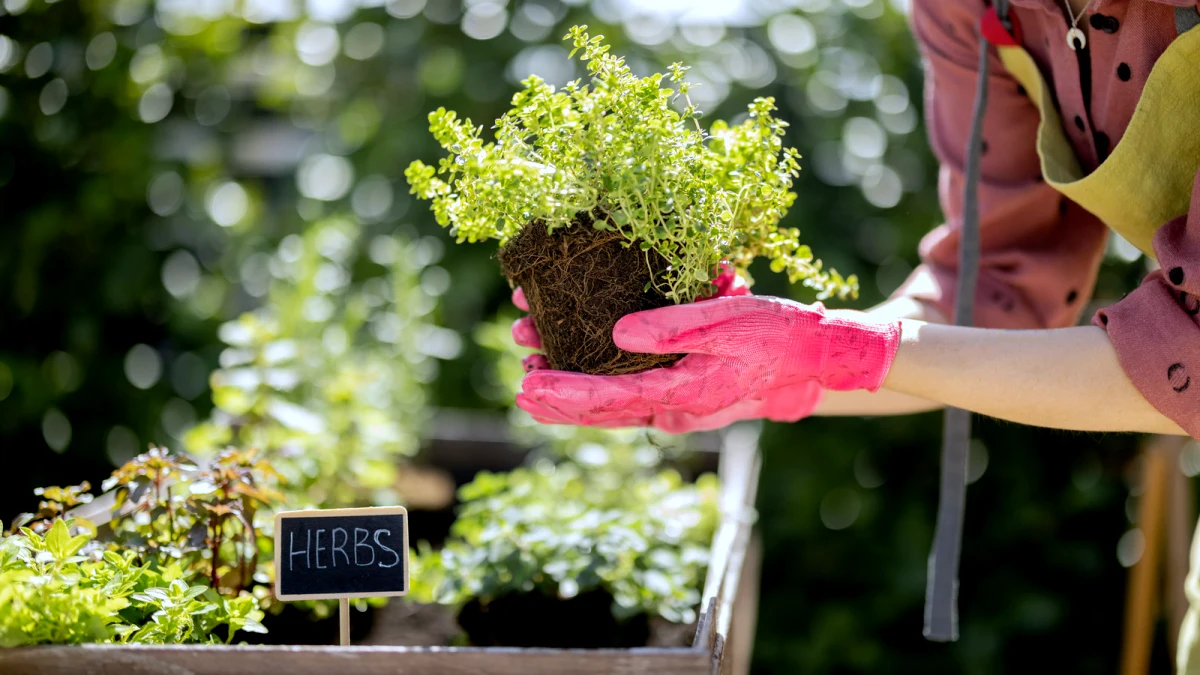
618	147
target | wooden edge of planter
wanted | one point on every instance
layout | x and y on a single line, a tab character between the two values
739	651
739	470
321	660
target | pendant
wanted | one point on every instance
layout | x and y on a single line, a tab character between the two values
1073	35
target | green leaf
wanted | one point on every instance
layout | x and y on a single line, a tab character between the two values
58	540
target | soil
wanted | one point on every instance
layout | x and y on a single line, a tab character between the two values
521	621
579	281
530	620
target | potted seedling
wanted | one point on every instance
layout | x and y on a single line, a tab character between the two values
608	197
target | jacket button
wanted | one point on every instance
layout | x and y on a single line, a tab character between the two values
1108	24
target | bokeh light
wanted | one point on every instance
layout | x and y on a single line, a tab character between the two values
143	366
324	177
227	203
56	429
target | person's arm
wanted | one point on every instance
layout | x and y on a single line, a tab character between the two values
1066	378
743	351
1039	251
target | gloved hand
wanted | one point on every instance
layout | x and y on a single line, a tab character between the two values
746	357
524	332
789	403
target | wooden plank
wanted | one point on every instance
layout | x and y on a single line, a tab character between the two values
744	464
1141	602
739	469
254	660
705	631
1181	519
745	611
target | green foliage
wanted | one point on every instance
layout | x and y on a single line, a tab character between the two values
617	147
201	519
562	530
327	379
50	595
62	589
179	565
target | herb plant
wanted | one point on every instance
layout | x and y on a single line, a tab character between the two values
619	148
203	518
180	565
62	589
561	530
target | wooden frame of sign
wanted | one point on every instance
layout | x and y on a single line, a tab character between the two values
721	646
401	556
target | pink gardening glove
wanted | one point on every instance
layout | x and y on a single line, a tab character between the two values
525	333
746	357
787	403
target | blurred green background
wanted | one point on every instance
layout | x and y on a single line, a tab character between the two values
155	158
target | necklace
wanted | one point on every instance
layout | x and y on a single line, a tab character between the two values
1074	33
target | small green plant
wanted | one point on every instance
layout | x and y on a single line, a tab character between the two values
180	565
205	519
59	588
619	148
561	531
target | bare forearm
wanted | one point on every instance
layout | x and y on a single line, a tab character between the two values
1067	378
866	404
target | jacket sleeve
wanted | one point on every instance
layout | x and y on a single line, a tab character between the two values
1039	251
1156	328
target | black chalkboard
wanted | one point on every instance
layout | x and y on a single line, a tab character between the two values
341	553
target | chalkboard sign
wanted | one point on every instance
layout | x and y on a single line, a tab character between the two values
341	553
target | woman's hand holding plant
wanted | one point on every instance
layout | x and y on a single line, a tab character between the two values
746	357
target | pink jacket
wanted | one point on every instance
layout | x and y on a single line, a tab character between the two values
1040	252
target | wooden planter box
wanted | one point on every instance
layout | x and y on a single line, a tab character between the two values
722	644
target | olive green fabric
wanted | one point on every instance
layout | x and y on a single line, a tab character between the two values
1147	180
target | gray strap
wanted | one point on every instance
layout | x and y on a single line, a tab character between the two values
941	590
1186	18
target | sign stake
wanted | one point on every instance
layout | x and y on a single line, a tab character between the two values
338	554
344	620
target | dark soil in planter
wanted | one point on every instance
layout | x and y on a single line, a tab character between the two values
538	620
532	620
579	281
297	626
